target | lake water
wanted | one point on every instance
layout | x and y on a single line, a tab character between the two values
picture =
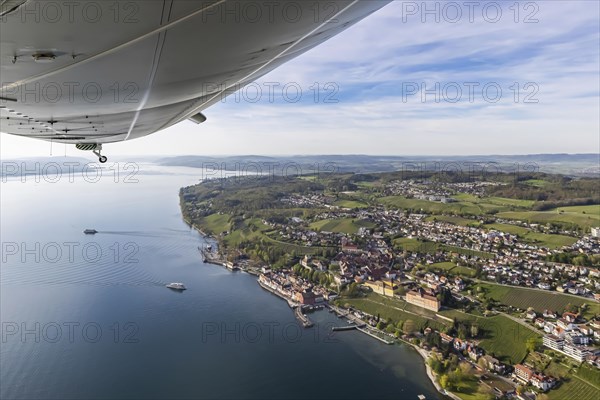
88	316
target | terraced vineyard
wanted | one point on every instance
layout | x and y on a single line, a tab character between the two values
539	299
575	388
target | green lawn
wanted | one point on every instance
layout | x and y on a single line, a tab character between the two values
373	306
540	300
452	268
503	201
343	225
216	223
446	266
593	210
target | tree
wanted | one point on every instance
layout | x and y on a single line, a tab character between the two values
532	344
444	381
520	389
482	363
474	330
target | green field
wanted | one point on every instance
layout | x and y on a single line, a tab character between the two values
582	216
452	268
342	225
574	388
537	238
350	204
216	223
593	210
536	182
503	201
540	300
503	337
376	304
446	266
589	374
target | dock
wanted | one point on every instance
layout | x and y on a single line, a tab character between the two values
368	332
307	323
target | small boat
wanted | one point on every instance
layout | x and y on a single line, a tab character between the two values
90	231
176	286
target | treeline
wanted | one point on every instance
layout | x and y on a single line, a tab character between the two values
554	190
236	195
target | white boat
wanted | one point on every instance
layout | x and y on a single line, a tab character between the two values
176	286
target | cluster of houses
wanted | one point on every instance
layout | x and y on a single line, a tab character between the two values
294	288
428	189
521	373
526	375
570	335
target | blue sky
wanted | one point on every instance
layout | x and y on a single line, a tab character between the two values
376	70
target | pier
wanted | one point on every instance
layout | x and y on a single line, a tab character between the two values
307	323
368	332
358	324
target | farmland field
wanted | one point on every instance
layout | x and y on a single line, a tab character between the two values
540	300
575	388
343	225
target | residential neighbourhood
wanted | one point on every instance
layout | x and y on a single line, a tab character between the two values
452	272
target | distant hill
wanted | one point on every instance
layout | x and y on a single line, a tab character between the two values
567	164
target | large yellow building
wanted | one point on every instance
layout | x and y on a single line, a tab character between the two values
384	287
421	299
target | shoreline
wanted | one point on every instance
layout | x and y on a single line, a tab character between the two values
423	353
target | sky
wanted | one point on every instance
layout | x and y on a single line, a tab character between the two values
401	82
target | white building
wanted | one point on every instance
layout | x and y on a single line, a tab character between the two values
596	232
576	352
